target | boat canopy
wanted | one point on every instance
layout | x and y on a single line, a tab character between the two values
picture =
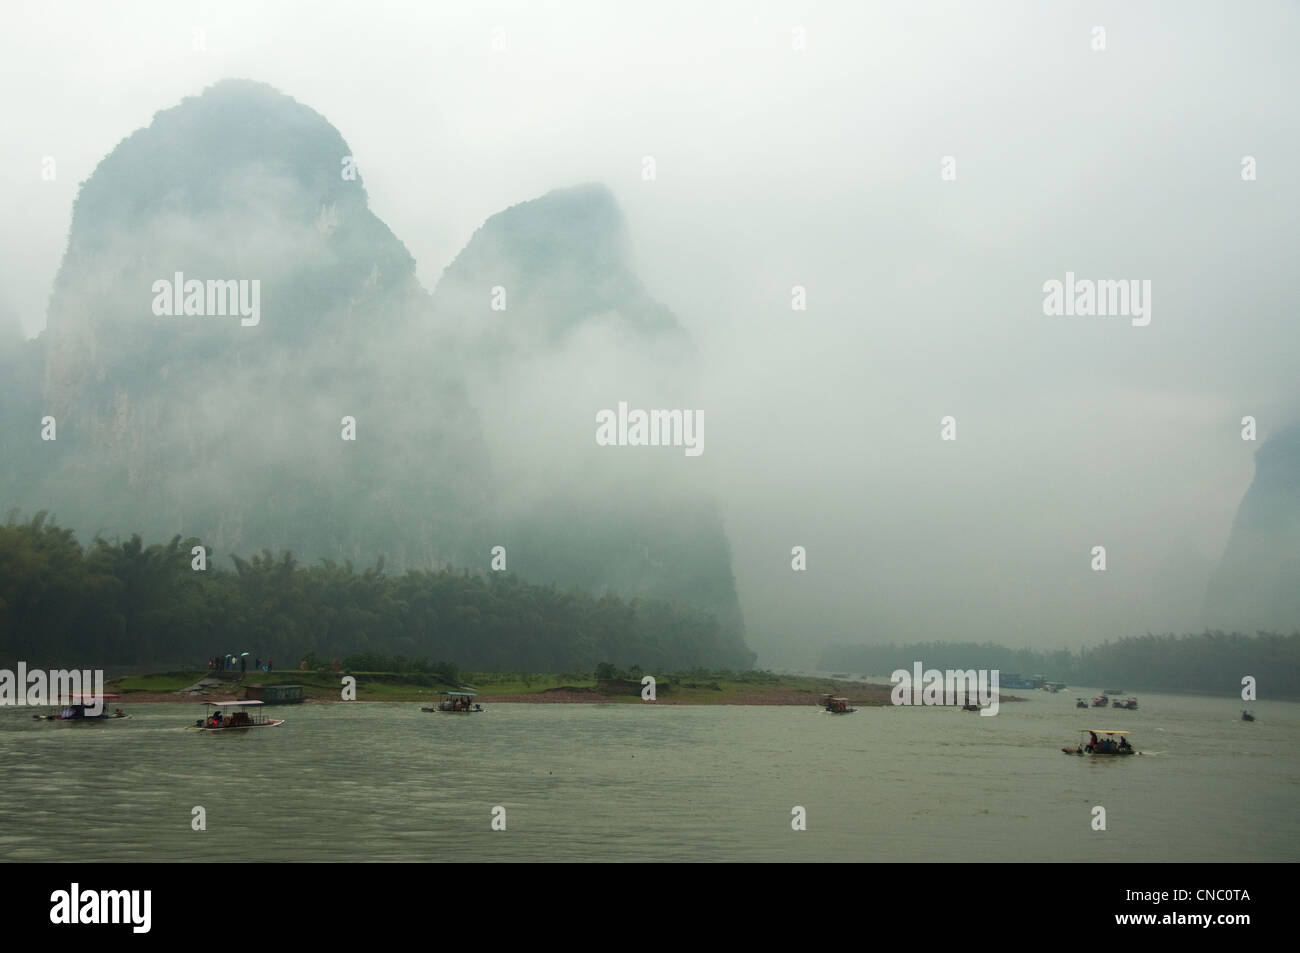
234	704
466	694
1105	731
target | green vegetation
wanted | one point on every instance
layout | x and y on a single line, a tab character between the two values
526	683
1211	662
164	682
128	603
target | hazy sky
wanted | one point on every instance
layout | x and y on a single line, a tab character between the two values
820	167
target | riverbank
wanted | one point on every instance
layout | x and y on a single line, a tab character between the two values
721	688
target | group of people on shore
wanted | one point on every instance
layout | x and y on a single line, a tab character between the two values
228	663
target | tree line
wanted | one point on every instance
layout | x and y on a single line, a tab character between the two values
119	603
1211	662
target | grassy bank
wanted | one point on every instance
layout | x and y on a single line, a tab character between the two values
686	688
316	686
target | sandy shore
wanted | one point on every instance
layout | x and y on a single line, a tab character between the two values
866	696
591	698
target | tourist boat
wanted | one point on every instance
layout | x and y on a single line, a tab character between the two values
1099	701
1109	743
1080	703
1129	704
970	706
234	716
459	703
76	711
833	705
1247	715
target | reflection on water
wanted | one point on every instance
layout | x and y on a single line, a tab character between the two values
646	782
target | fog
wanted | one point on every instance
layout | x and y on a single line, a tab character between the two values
818	167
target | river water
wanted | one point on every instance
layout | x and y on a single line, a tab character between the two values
364	781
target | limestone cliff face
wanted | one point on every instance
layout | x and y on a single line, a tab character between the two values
229	425
1257	586
242	183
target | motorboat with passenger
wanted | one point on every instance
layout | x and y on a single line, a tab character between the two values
461	703
1112	742
834	705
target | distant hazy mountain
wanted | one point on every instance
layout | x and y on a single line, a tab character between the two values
562	261
555	327
1257	585
474	427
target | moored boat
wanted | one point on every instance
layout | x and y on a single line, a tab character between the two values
1080	703
275	694
1016	680
1247	715
235	716
1099	701
1129	704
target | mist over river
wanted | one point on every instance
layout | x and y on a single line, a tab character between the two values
385	781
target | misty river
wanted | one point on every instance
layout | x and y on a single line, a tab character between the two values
385	781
